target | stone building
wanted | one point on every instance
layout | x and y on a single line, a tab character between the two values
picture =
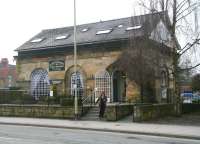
8	74
47	59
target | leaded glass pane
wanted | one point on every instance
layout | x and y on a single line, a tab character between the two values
77	77
39	83
102	84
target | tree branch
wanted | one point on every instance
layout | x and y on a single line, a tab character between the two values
141	3
190	9
185	14
190	68
181	5
190	46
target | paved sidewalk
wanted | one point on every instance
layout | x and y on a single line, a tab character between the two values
191	132
191	119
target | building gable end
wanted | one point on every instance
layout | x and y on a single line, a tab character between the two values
161	34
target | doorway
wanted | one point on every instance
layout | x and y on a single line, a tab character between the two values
119	86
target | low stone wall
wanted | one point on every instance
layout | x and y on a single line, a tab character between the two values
115	112
152	111
189	108
39	111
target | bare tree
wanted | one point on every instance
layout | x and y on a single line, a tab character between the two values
180	12
144	57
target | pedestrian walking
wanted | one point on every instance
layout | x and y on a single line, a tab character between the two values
102	104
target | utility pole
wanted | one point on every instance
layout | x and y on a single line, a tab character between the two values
75	64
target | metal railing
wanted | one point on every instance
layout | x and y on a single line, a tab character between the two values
89	100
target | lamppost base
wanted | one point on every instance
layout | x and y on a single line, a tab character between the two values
76	117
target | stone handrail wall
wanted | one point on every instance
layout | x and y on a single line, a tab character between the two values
152	111
115	112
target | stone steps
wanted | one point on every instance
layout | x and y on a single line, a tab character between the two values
93	114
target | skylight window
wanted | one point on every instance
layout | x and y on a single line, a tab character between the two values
120	26
133	28
85	29
62	37
36	40
104	31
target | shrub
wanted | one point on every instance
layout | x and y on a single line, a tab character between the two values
196	101
14	88
69	101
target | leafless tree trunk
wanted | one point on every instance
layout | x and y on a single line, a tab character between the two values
142	59
179	10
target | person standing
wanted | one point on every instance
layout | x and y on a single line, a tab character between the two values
102	104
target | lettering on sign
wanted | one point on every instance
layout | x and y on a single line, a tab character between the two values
57	65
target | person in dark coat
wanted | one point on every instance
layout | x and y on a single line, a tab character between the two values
102	104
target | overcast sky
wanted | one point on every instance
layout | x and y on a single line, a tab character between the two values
22	19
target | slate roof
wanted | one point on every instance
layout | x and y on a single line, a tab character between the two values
90	36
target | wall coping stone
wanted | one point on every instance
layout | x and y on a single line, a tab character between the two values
119	104
25	105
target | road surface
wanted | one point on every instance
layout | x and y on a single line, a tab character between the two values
10	134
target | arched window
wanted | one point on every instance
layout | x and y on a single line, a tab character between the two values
163	79
164	84
102	84
39	83
77	77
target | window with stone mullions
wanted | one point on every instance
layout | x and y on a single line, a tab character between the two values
102	84
39	84
77	79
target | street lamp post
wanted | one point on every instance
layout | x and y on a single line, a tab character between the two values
75	64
